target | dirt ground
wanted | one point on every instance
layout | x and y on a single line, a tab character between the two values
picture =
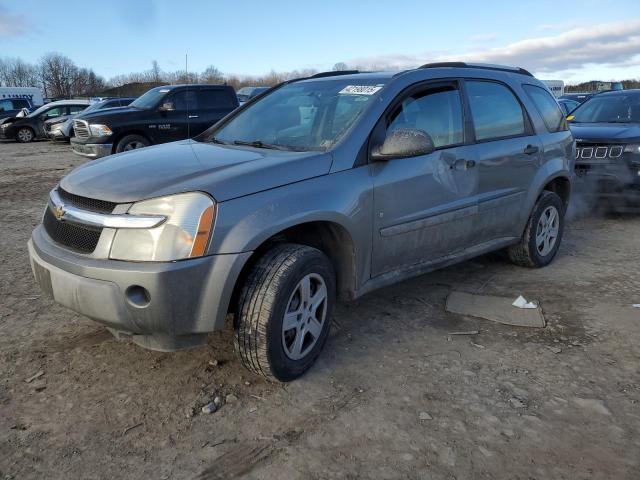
392	396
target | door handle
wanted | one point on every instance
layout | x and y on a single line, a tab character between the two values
531	149
462	164
193	116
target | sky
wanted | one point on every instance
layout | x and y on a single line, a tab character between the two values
569	40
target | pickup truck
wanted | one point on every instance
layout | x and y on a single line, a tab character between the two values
163	114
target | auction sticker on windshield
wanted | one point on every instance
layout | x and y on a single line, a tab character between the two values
360	90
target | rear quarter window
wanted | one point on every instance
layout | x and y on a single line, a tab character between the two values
547	107
209	99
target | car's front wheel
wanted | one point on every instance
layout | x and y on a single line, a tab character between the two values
25	135
284	311
542	236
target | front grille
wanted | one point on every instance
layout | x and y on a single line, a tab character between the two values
86	203
81	238
597	153
81	129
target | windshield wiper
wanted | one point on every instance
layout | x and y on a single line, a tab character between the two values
218	141
259	144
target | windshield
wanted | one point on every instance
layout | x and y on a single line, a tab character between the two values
150	99
310	115
609	109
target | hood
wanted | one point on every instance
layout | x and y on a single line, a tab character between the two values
606	132
62	118
109	113
225	172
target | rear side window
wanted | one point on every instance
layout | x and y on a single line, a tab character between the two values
547	107
209	99
436	111
495	110
76	108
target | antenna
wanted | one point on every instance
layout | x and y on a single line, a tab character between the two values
186	74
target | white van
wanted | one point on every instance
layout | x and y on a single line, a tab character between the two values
34	94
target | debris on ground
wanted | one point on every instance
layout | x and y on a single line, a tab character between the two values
128	429
521	302
425	416
636	305
210	407
592	404
470	332
555	349
253	409
231	398
35	376
495	309
517	403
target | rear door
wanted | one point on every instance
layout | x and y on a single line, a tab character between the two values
509	154
424	205
213	105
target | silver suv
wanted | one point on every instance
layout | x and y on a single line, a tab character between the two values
325	187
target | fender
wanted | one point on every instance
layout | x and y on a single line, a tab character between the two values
554	168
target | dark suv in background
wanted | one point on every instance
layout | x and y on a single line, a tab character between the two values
607	132
163	114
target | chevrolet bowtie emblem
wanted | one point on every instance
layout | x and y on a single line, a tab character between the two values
58	212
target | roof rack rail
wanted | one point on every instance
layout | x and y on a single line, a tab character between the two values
332	74
486	66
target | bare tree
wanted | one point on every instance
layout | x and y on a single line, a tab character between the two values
340	67
211	75
15	72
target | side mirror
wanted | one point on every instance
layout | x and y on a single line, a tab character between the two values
403	143
166	107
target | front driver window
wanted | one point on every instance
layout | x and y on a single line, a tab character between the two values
435	111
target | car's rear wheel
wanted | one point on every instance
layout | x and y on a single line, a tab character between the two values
25	135
542	236
284	311
131	142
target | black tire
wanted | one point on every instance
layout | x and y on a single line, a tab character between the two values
528	253
131	142
270	288
25	135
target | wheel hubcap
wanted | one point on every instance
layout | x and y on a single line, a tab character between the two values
547	230
24	135
133	146
304	317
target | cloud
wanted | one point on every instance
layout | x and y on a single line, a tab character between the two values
611	44
11	25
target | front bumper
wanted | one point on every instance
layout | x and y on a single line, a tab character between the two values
57	135
618	184
184	300
91	150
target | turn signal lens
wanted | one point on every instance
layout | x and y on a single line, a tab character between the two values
204	232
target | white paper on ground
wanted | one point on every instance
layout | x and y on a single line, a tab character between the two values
636	305
521	302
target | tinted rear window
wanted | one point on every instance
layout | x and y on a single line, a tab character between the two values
547	107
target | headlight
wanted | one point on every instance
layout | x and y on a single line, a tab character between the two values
184	234
632	149
98	130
